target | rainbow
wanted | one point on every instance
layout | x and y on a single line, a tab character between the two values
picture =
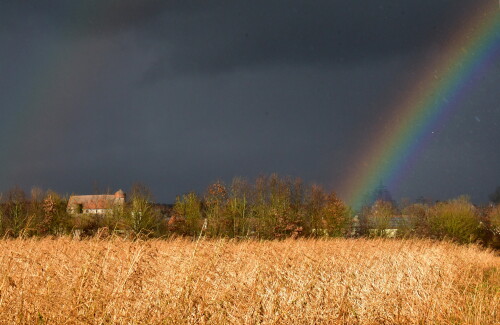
431	100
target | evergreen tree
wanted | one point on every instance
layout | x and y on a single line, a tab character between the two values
382	193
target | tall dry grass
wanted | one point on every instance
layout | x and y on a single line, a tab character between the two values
355	281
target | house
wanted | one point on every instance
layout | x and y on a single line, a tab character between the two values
95	204
390	226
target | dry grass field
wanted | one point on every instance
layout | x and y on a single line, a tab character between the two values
339	281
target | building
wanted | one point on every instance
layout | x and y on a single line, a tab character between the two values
95	204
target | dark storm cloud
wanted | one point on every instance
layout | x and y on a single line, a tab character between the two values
249	33
177	94
266	32
212	36
85	17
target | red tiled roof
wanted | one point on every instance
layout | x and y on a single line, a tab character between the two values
94	201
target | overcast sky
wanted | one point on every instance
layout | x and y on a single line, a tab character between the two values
177	94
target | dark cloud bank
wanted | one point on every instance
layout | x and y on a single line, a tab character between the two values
177	94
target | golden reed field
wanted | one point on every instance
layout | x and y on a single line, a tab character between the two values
337	281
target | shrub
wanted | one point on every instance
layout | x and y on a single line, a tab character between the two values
491	227
455	219
337	216
218	220
16	221
238	208
187	217
417	217
142	217
379	218
494	218
56	220
86	225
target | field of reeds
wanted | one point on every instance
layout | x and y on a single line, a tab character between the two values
304	281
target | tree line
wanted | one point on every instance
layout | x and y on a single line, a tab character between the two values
270	207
